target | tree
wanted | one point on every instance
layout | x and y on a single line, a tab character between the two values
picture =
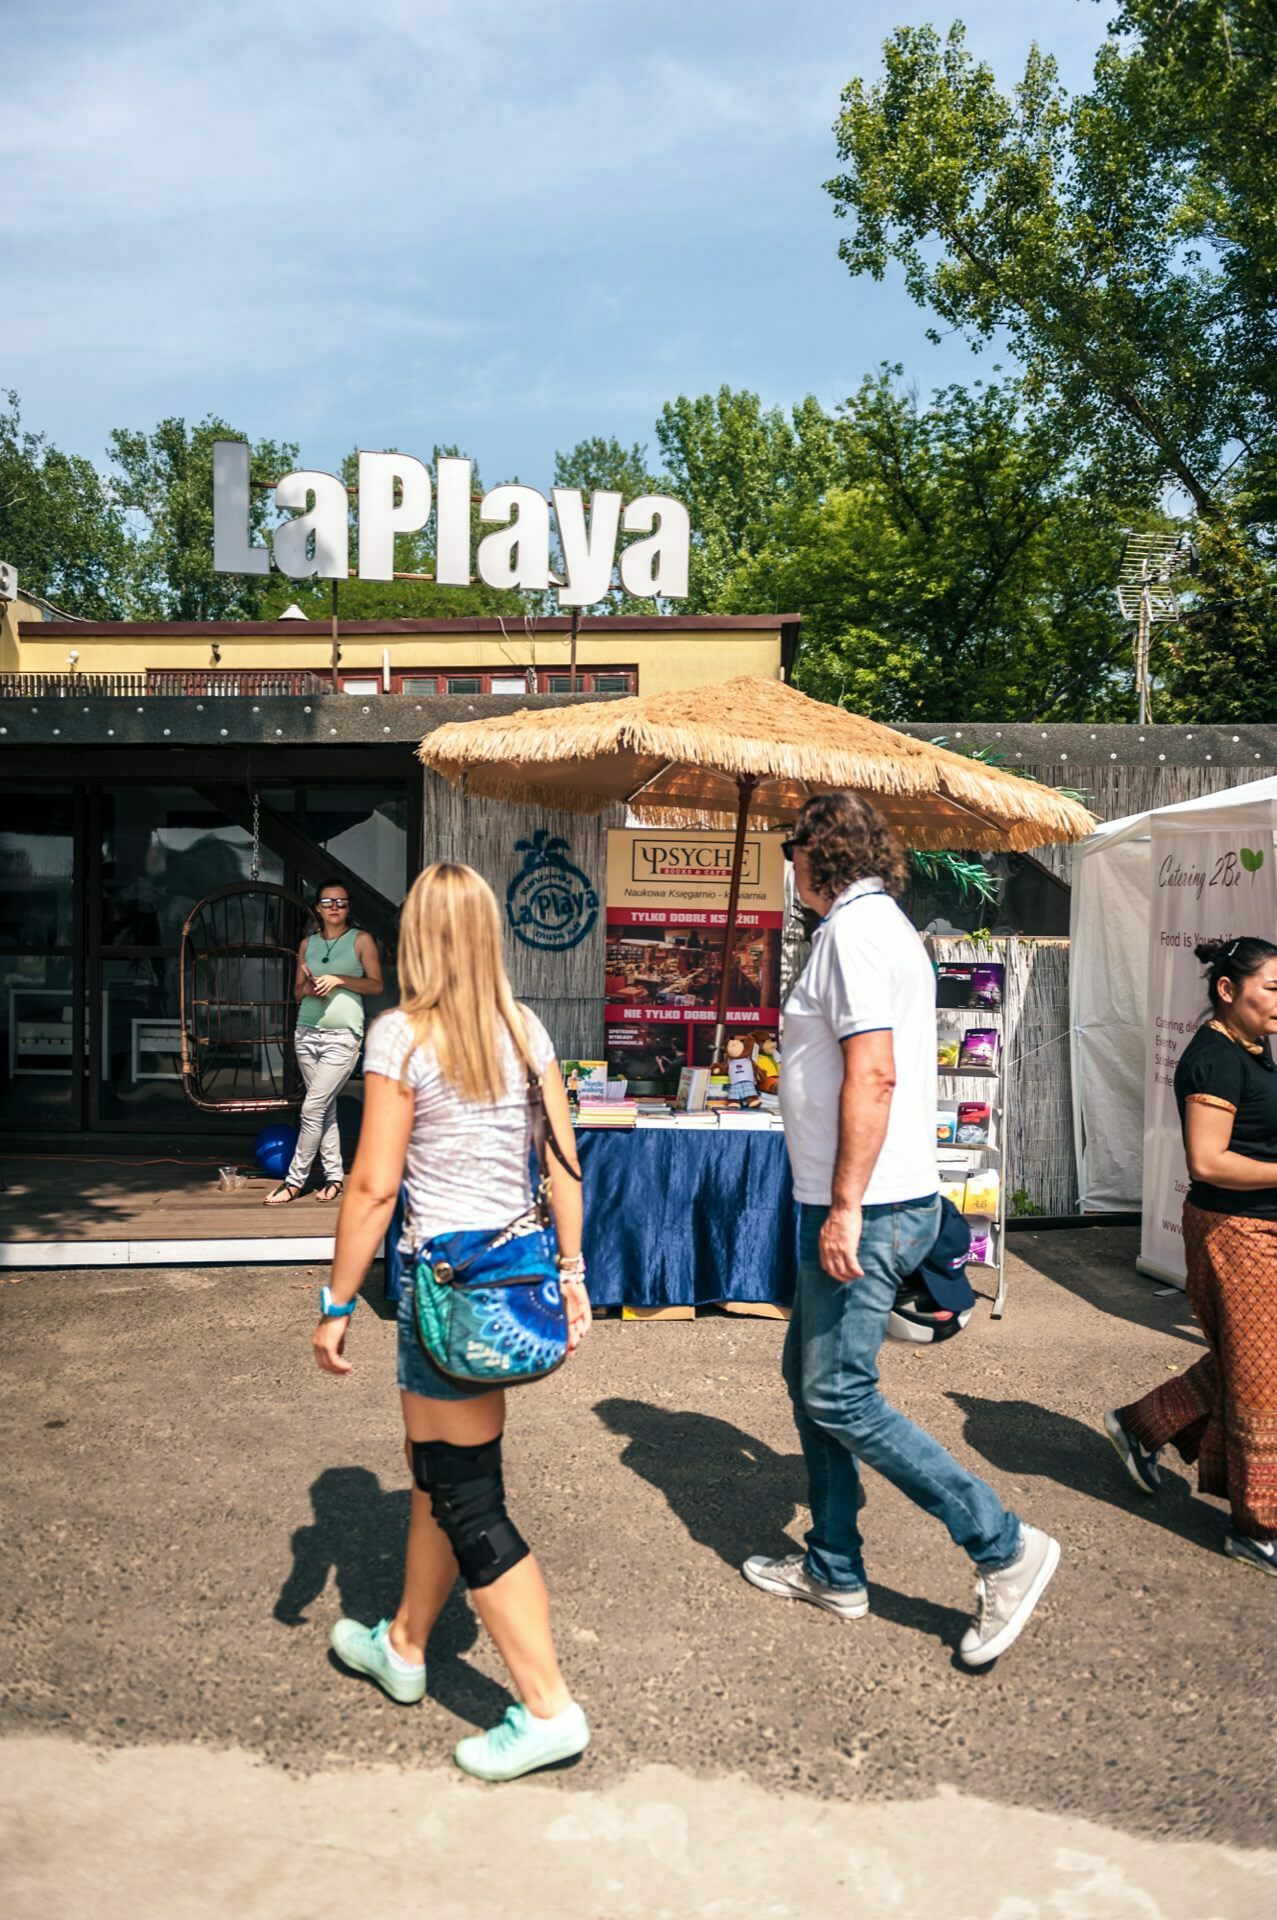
961	566
736	465
597	464
58	524
164	485
1218	662
1123	241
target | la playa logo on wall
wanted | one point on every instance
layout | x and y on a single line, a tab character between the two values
396	495
550	903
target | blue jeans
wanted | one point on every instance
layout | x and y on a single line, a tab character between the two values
831	1370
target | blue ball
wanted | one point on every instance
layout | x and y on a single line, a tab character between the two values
274	1147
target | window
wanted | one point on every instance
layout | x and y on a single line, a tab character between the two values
605	680
425	682
361	686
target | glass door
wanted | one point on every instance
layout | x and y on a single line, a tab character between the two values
42	1029
155	852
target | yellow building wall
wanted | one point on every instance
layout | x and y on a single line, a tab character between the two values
11	649
665	661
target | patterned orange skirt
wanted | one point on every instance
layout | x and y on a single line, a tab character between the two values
1222	1413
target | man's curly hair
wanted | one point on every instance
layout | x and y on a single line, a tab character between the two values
845	840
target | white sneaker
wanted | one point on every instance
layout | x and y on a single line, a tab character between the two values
790	1579
1008	1597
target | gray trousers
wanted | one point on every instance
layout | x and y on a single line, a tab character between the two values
327	1056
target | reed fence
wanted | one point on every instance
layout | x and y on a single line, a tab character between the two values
205	683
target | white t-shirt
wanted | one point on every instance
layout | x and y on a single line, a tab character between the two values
868	971
467	1162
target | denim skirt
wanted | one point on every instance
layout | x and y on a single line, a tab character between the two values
415	1373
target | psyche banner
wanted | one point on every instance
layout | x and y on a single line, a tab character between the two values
666	917
1212	885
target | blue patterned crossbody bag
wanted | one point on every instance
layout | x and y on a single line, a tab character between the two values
489	1307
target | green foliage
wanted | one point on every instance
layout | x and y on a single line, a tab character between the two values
58	525
598	463
736	465
961	565
1218	662
164	487
1124	242
954	872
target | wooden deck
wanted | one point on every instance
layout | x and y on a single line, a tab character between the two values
86	1211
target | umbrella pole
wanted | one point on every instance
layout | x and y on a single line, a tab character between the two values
746	783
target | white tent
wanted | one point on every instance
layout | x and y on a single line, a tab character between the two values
1108	983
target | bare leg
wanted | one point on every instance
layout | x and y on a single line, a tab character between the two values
515	1609
429	1573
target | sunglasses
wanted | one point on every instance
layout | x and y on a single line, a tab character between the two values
787	846
334	903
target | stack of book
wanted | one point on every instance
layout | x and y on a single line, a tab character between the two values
607	1113
702	1118
745	1119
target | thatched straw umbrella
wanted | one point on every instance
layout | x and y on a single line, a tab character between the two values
711	756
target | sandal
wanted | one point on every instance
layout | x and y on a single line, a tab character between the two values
283	1196
330	1191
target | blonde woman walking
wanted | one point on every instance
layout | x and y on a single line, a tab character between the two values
447	1080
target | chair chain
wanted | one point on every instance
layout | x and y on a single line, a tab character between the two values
255	870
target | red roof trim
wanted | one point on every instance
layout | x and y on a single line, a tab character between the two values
352	629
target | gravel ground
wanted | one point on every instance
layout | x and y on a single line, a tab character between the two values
190	1505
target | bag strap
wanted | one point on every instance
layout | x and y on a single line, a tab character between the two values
543	1136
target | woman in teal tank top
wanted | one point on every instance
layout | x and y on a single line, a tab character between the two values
336	969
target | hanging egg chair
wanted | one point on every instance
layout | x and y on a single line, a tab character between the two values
238	963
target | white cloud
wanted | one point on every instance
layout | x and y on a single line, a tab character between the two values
322	220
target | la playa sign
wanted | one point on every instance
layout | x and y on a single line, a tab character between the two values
396	495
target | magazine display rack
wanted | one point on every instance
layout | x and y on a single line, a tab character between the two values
964	1084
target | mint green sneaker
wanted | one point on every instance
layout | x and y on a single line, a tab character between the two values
367	1650
522	1743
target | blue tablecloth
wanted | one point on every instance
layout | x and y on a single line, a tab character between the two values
678	1218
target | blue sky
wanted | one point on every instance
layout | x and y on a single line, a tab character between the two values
404	222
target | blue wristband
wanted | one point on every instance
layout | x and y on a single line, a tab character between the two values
327	1310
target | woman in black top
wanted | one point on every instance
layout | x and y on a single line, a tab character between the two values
1223	1411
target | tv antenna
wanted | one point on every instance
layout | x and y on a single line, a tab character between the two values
1147	594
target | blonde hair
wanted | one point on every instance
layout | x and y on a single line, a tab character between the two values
452	979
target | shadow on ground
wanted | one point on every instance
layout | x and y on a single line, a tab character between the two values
1097	1266
358	1535
737	1496
1019	1437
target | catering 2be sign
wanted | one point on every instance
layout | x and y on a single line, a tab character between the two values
1212	879
666	919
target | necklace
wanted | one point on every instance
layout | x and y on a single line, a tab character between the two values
1251	1046
330	944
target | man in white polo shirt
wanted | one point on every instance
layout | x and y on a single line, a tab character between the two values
858	1094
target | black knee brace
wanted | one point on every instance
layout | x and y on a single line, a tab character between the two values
467	1498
